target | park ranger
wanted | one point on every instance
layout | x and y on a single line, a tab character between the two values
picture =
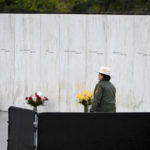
104	93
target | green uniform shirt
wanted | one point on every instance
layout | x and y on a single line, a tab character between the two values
104	97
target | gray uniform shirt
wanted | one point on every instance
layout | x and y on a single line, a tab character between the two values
104	97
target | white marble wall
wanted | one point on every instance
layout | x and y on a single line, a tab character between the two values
60	54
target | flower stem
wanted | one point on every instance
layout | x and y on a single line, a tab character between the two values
85	108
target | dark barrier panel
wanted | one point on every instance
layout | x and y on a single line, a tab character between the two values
20	129
94	131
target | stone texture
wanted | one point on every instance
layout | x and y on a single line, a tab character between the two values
59	54
3	130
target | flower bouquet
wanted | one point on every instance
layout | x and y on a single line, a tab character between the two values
85	99
36	99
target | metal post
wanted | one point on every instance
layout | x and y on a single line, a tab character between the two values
35	125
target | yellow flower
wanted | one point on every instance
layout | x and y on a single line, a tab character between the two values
82	98
78	96
89	95
84	93
86	98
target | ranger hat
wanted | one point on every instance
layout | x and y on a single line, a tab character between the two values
105	70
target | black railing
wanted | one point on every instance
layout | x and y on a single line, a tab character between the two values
20	129
79	131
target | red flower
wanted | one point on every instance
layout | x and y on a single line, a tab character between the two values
30	98
36	95
45	98
39	99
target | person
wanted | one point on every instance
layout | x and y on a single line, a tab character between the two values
104	93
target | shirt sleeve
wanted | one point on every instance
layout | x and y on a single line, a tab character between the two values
97	97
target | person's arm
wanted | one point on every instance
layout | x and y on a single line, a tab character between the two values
97	98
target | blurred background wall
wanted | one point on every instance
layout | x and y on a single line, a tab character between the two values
60	54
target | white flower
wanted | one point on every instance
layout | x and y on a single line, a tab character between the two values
39	93
34	98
